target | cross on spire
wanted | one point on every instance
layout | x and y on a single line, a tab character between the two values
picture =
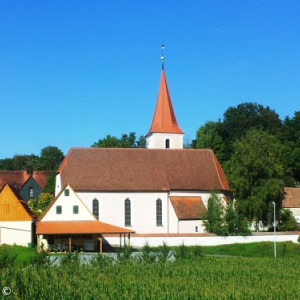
162	58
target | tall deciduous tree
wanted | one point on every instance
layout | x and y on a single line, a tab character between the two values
208	137
256	173
50	158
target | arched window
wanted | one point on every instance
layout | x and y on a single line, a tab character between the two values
96	208
158	212
127	212
167	143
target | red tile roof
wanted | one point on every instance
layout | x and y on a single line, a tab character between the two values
291	198
188	208
78	227
164	119
129	169
18	178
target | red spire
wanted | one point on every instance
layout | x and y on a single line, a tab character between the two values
164	119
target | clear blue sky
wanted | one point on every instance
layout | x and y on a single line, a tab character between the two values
72	72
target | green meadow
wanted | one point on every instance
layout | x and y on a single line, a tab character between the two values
241	271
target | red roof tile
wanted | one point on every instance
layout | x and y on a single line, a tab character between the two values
129	169
164	119
291	198
18	178
188	208
78	227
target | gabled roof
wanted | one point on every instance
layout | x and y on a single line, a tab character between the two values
136	169
14	200
18	178
75	200
164	119
188	208
291	198
78	227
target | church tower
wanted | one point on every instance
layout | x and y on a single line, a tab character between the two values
164	131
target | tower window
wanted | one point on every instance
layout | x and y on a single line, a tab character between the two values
167	143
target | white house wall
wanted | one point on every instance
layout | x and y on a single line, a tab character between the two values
16	232
67	203
58	186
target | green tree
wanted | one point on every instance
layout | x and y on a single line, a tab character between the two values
291	140
39	206
236	224
238	120
287	220
213	219
126	141
50	185
256	174
50	158
209	138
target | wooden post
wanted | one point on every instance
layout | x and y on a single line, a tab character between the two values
70	244
129	239
101	243
120	241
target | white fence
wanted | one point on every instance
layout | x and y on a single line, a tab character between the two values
173	240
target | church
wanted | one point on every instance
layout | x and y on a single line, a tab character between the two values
160	190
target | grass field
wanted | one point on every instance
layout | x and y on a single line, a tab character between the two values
189	276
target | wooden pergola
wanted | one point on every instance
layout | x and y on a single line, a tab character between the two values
73	228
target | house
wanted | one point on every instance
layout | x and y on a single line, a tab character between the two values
17	222
163	189
28	184
68	225
291	201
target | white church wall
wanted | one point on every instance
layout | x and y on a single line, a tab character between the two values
191	226
58	186
143	209
16	232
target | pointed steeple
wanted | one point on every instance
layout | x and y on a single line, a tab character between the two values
164	131
164	119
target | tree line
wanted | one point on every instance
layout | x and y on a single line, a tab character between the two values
259	152
260	155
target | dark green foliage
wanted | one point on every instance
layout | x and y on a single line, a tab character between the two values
256	173
236	224
126	141
287	221
49	160
213	219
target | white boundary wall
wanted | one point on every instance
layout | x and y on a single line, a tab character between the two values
16	232
154	241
